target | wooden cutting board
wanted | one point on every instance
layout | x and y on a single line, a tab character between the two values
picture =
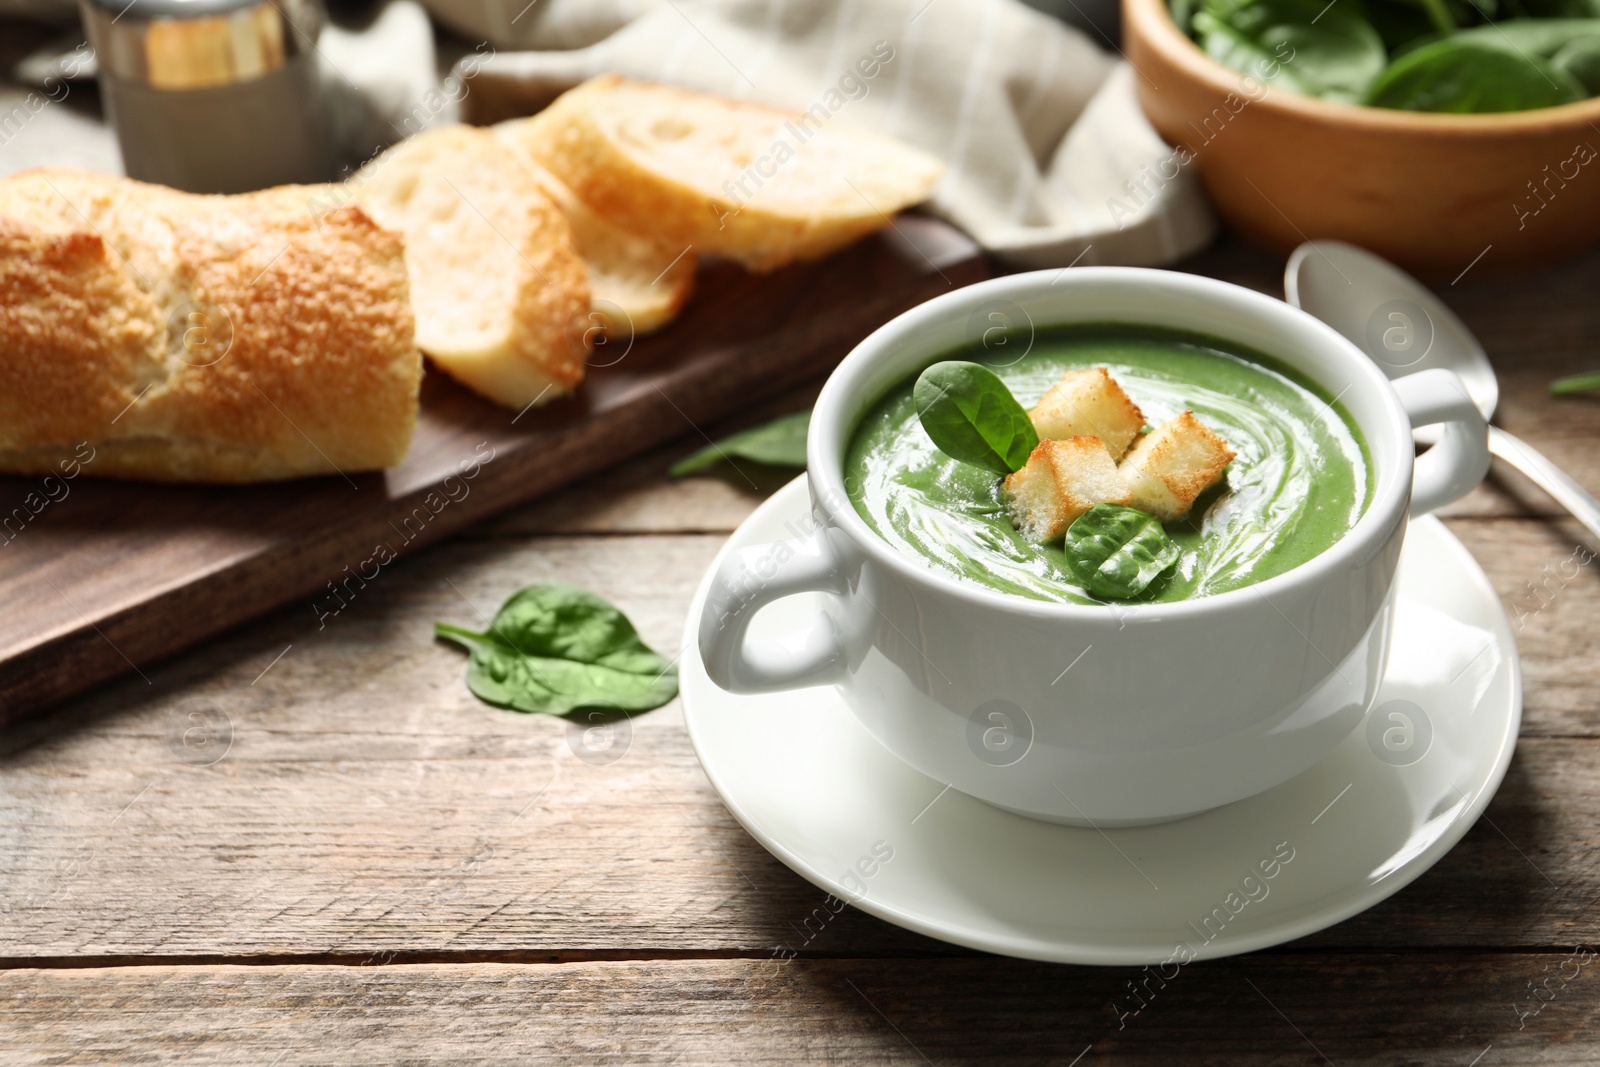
108	577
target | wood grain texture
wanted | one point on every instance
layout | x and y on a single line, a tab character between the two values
368	803
1427	1010
1554	613
105	577
638	497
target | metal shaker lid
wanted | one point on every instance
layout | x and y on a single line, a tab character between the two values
194	44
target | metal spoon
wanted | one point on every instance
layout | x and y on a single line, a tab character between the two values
1398	322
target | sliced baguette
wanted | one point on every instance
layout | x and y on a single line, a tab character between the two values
500	294
754	183
158	335
636	285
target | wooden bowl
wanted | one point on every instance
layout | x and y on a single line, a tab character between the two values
1436	194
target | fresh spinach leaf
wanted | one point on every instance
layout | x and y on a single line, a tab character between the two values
557	648
1116	552
779	443
1438	12
1239	52
1327	50
970	414
1539	38
1581	59
1222	10
1562	9
1436	16
1416	55
1466	77
1402	26
1576	383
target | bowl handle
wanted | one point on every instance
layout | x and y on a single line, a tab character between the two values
1454	466
751	578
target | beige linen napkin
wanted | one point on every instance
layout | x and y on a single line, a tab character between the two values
1051	161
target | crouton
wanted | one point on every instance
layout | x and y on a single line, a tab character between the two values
1061	480
1088	402
1172	465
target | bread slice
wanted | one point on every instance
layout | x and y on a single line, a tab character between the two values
175	337
1173	464
636	285
1089	402
754	183
500	294
1061	480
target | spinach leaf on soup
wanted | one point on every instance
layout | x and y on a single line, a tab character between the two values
1465	77
1116	552
971	416
557	648
779	443
1327	50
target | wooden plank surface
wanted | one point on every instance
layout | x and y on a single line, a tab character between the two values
368	802
1421	1010
380	869
111	576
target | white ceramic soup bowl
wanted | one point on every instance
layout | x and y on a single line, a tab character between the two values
1091	714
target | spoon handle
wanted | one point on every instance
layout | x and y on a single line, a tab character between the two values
1547	476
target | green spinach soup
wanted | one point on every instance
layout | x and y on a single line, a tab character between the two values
1300	479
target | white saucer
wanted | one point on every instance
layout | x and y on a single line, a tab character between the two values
822	795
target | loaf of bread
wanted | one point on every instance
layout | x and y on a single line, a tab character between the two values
500	294
637	284
757	184
274	334
199	338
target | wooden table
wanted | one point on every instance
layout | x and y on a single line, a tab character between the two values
380	869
